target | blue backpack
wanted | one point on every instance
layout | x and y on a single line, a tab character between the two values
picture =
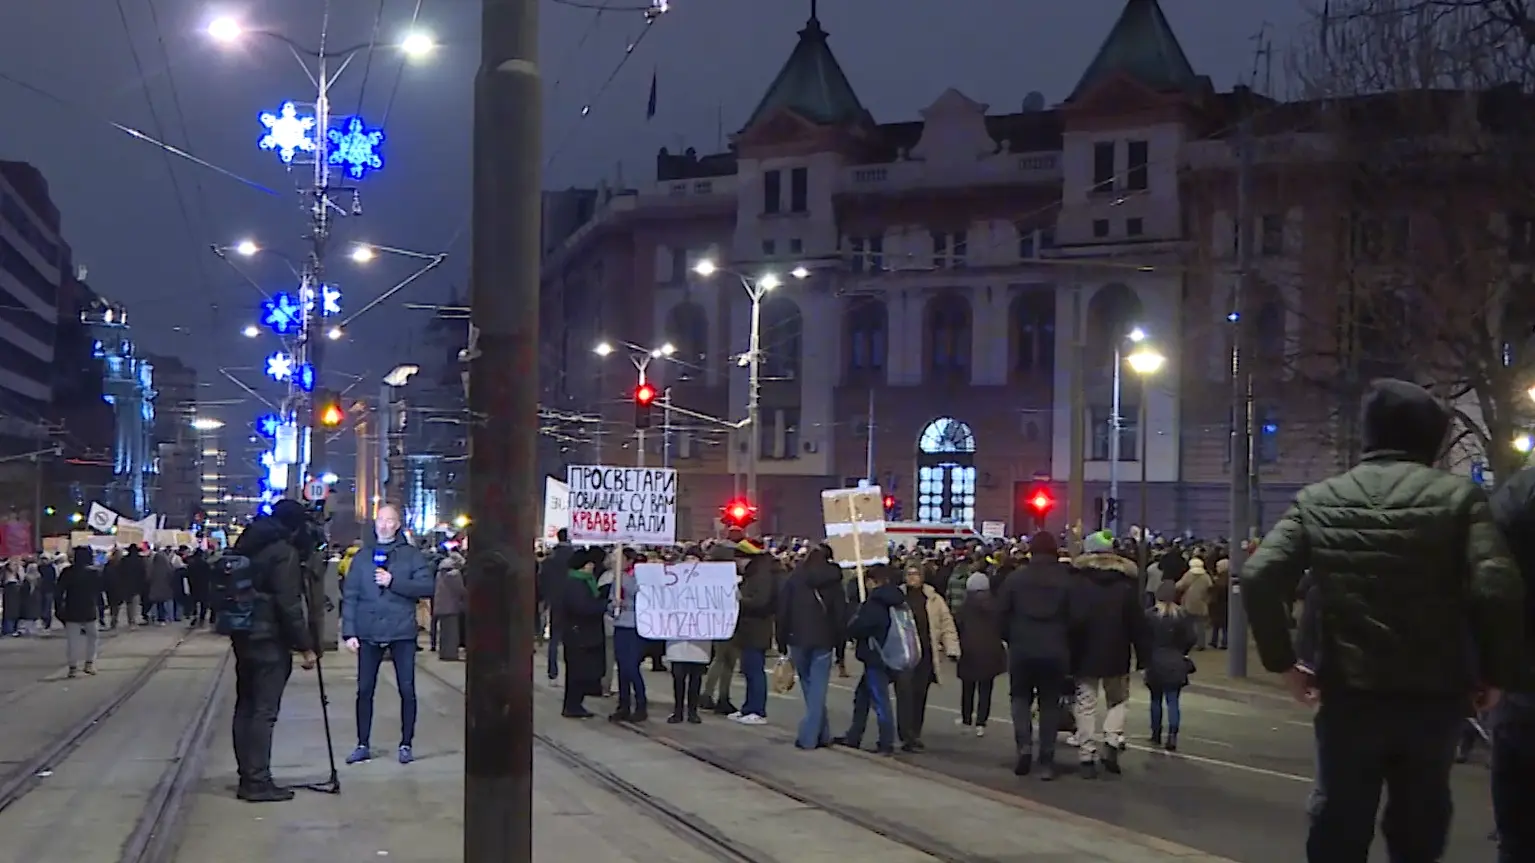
900	650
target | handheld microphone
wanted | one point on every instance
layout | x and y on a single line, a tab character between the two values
380	561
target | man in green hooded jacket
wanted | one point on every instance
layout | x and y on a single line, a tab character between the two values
1415	612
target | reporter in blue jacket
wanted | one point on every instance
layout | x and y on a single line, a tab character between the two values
378	614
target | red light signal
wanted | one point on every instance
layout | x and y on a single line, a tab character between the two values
889	501
738	513
1041	502
644	394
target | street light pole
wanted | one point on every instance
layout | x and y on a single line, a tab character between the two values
506	507
1112	525
754	392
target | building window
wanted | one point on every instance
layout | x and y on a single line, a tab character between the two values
1100	228
949	249
778	437
866	254
866	335
1134	227
796	246
1103	166
1138	174
1271	236
1034	332
782	338
1033	240
772	191
799	190
1378	239
948	335
769	248
679	265
1102	422
1266	433
1521	239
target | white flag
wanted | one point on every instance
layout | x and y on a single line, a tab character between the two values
100	518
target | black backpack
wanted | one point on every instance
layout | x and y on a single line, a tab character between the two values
232	590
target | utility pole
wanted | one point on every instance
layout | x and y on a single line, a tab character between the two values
1078	422
868	456
666	428
503	414
1241	401
314	274
754	393
1116	423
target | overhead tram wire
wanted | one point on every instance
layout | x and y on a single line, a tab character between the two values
591	27
159	127
367	60
586	109
394	89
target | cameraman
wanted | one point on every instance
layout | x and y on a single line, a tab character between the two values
275	546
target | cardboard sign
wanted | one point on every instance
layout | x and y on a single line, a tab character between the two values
993	529
855	525
130	534
686	601
556	508
629	505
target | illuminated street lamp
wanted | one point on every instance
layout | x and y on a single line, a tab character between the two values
1523	444
246	248
207	424
363	254
251	331
418	45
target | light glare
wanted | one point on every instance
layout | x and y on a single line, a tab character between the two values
225	29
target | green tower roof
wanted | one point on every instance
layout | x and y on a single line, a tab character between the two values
1142	46
811	83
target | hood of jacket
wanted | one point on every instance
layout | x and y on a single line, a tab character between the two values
1105	566
1405	419
819	574
83	557
888	595
262	533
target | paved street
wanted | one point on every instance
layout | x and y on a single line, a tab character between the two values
1237	788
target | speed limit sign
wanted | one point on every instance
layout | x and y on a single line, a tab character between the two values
314	490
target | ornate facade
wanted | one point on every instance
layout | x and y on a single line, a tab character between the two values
959	267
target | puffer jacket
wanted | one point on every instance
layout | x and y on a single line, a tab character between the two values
379	615
1195	587
1108	619
1513	508
759	601
1414	589
955	589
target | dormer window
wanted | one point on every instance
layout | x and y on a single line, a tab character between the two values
772	191
949	249
1138	174
799	190
866	254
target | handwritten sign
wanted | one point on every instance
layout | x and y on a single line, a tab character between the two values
556	508
686	601
631	505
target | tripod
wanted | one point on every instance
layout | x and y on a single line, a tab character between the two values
333	784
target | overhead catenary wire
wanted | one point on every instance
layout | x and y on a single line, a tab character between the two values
394	89
586	109
367	59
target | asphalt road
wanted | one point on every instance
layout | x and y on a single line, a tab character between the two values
1237	787
26	660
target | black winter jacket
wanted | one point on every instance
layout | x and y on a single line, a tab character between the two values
1108	617
78	592
279	582
812	607
1036	608
872	623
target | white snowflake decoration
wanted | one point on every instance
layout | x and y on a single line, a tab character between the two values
287	133
330	304
279	366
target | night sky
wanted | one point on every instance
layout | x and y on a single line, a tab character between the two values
712	60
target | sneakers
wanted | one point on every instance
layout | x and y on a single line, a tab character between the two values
406	754
675	718
748	718
90	668
73	673
359	755
980	731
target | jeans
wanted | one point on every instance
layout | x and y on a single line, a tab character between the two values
629	651
1366	744
754	668
262	669
1513	777
975	701
80	643
1169	698
1043	680
873	691
813	666
554	650
46	603
369	657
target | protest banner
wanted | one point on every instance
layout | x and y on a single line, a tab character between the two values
686	601
993	529
622	505
556	509
855	528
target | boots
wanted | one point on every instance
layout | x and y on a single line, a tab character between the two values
1172	740
263	792
1156	737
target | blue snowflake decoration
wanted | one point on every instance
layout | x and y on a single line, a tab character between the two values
268	424
356	147
331	305
279	366
305	377
282	314
287	133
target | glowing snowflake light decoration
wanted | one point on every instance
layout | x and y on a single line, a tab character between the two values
355	147
332	302
267	425
287	133
279	366
282	314
304	375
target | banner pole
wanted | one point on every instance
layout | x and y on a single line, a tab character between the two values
852	517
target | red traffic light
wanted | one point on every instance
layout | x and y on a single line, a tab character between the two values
738	513
1041	502
889	501
644	394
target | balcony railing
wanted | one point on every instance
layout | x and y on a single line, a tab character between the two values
1001	169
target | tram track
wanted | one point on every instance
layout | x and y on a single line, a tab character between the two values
144	820
706	838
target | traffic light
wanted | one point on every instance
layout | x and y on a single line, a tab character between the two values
327	409
738	513
1040	503
644	397
892	508
1110	512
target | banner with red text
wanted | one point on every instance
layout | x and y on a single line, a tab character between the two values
629	505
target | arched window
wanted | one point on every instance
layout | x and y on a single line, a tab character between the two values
782	337
687	329
1113	311
1033	332
948	336
946	472
866	325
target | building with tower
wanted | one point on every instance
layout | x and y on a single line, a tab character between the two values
970	279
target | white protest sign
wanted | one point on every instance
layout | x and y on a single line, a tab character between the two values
630	505
556	508
993	529
686	601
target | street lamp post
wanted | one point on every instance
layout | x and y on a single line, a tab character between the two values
1116	423
756	290
640	358
1144	361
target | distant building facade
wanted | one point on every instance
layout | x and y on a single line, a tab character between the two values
176	494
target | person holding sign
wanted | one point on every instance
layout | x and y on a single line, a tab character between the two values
628	649
583	608
754	631
812	615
